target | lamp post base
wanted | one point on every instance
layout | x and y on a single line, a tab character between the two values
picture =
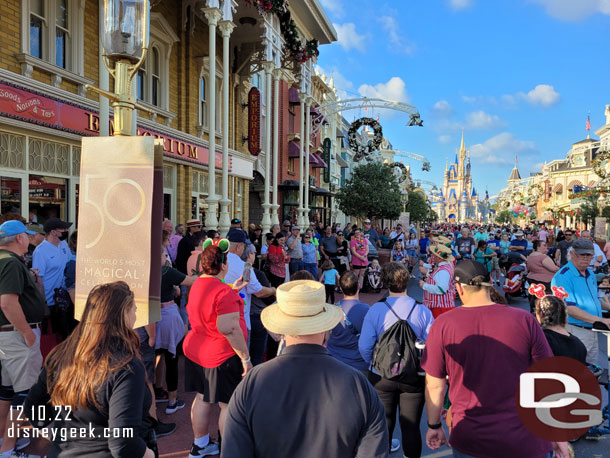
301	218
275	218
211	223
266	222
224	224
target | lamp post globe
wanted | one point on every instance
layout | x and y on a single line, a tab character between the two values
126	30
126	25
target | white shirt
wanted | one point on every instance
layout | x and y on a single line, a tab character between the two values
441	280
598	252
51	261
236	269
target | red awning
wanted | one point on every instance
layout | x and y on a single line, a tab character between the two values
293	95
294	149
316	161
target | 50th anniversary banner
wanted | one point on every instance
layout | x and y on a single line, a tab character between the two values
119	223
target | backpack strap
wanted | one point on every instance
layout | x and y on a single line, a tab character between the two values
348	323
385	301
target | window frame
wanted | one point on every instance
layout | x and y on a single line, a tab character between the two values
205	74
74	31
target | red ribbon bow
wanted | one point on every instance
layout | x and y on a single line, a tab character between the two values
537	290
559	292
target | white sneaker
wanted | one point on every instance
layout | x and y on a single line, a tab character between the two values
210	449
395	445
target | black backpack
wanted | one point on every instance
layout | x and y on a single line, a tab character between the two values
395	356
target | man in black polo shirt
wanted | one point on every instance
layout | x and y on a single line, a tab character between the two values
22	308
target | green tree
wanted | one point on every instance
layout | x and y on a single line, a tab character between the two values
606	212
504	217
589	209
372	192
418	207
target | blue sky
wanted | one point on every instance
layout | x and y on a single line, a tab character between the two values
520	76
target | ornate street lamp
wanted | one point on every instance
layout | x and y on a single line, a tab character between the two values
404	197
125	43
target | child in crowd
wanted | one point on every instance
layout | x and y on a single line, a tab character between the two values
398	254
603	291
330	278
374	275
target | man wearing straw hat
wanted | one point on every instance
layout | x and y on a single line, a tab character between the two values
325	407
439	290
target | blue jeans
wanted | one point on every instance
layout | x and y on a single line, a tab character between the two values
312	269
295	265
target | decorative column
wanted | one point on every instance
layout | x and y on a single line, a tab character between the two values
301	209
213	15
266	223
306	216
277	73
226	28
104	84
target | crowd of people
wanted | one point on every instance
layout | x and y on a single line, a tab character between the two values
269	354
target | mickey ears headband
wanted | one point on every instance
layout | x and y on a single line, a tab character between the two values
539	291
222	244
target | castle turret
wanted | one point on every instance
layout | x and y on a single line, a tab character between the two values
515	175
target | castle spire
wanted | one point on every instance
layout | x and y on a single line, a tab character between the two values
462	146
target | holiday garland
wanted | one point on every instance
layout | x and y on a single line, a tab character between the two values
403	171
599	164
517	197
361	150
535	190
293	42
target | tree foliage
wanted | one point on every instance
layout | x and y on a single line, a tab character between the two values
504	217
418	208
589	210
372	192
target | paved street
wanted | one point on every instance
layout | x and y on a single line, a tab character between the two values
177	445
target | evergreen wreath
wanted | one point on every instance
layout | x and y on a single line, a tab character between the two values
600	163
361	150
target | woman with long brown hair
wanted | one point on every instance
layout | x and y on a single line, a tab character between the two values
98	374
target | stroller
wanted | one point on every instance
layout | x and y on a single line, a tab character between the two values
372	279
514	284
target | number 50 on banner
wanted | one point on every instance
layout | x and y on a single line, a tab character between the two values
119	223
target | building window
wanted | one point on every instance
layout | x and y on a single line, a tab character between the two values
141	82
291	164
155	77
61	33
203	106
37	20
204	95
51	26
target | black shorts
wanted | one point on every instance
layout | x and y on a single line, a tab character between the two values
216	384
358	267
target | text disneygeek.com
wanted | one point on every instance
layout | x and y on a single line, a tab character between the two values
63	433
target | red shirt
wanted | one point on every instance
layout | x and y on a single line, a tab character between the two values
484	350
208	299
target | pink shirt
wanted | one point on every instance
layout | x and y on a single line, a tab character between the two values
543	235
361	247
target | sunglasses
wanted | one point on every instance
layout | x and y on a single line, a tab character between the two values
307	237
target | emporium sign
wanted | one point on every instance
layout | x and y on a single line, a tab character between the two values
20	104
254	121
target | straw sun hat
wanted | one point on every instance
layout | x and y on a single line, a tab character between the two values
301	310
442	252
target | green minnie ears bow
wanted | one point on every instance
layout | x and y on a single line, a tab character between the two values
222	244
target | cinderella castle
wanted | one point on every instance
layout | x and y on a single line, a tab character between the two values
458	200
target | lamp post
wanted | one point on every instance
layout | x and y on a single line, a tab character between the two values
404	198
125	27
121	177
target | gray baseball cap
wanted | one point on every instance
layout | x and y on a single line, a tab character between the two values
583	246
